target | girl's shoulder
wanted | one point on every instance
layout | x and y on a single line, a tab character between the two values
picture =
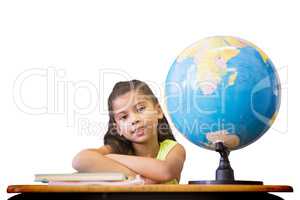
165	147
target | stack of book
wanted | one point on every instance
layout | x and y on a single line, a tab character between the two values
101	178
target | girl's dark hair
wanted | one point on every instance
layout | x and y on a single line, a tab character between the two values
118	143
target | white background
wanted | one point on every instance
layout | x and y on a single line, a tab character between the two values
76	40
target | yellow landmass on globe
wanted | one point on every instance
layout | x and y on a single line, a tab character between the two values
202	46
216	42
191	51
211	56
234	42
232	78
212	66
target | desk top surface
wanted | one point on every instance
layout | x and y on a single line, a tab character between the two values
148	188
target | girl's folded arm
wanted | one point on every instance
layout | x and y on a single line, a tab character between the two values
94	160
158	170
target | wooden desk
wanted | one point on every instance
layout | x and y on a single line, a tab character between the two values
146	192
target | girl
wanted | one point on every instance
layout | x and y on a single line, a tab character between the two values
138	140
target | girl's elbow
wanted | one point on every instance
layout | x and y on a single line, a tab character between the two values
78	161
77	164
83	160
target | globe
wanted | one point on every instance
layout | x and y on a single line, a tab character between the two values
222	89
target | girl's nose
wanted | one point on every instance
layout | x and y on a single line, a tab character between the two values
135	122
134	119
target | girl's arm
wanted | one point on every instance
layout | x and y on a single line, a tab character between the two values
94	160
157	170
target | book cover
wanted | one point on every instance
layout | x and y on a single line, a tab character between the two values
132	181
82	177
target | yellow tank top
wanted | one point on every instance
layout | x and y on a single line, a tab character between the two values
164	149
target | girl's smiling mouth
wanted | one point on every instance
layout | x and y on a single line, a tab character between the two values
139	131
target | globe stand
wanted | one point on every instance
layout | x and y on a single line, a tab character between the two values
224	173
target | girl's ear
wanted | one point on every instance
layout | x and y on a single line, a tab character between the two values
117	128
159	112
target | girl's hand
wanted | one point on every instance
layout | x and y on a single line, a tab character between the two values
146	180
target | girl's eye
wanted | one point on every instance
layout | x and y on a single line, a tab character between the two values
141	108
123	117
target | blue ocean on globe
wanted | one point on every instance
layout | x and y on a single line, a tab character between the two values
222	89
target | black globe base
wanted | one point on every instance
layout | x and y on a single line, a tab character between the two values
220	182
224	173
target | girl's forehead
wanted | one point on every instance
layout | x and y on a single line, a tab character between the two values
129	99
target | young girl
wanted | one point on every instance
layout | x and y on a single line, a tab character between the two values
138	140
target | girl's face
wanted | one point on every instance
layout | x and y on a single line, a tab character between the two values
136	116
